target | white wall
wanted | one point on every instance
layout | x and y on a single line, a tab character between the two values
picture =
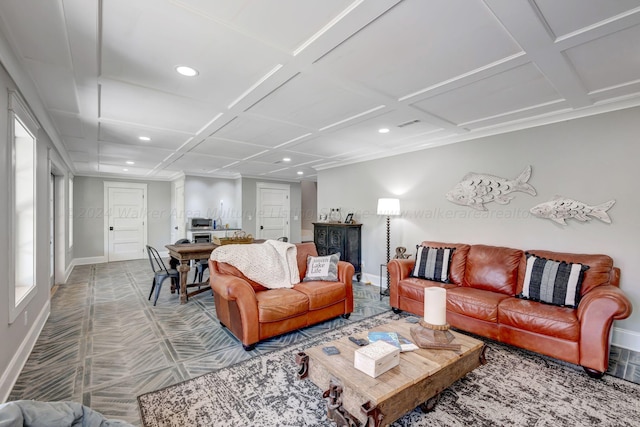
88	220
309	213
203	195
18	338
592	159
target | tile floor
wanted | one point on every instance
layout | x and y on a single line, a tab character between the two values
105	343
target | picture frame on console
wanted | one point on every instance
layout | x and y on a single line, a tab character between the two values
349	219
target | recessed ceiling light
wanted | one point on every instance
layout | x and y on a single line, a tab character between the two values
300	173
125	170
286	159
144	138
383	130
186	71
129	162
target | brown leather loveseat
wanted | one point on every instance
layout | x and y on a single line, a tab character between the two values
481	299
253	312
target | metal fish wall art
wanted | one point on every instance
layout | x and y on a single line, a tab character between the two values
561	208
476	189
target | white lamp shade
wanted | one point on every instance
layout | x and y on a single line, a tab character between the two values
388	207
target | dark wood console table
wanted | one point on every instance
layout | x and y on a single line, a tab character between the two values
333	237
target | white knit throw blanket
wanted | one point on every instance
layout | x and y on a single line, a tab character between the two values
273	263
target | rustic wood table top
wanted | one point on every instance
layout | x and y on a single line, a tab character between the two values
421	375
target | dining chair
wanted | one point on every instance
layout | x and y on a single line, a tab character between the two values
200	266
160	273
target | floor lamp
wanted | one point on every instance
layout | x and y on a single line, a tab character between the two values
388	208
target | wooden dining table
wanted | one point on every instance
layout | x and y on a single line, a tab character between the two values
184	253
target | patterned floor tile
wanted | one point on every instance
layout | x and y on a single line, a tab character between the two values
49	383
182	319
217	360
55	333
47	354
200	341
632	373
104	342
118	364
119	399
107	341
111	315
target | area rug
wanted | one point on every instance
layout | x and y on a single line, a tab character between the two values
515	388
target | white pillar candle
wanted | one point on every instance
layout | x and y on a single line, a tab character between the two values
435	306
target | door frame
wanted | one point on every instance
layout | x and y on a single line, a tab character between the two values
261	185
105	211
59	216
178	219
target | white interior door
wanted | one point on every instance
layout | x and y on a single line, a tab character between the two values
273	210
126	227
178	221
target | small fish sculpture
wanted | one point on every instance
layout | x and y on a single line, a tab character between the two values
476	189
561	208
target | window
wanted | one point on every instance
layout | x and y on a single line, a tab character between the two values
23	201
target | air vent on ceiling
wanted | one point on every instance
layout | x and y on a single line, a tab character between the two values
409	123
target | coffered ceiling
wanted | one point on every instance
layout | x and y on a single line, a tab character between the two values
310	80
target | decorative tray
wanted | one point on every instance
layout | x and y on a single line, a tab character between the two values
239	237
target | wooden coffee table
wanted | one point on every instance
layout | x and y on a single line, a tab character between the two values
354	398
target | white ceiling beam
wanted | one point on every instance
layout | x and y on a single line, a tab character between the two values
528	28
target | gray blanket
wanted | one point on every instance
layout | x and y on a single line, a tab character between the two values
30	413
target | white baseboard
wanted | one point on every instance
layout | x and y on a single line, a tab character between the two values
103	259
626	339
89	260
10	375
68	271
370	279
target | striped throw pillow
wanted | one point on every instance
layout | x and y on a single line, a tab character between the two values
432	263
553	282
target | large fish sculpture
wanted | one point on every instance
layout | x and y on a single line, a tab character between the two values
560	209
476	189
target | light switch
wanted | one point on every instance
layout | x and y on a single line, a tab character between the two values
295	217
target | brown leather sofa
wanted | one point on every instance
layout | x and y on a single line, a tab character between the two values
254	313
484	281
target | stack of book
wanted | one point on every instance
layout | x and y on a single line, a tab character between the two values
393	338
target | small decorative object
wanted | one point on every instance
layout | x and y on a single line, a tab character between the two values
561	208
477	189
376	358
360	342
331	350
433	331
335	215
349	219
323	218
239	237
401	253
